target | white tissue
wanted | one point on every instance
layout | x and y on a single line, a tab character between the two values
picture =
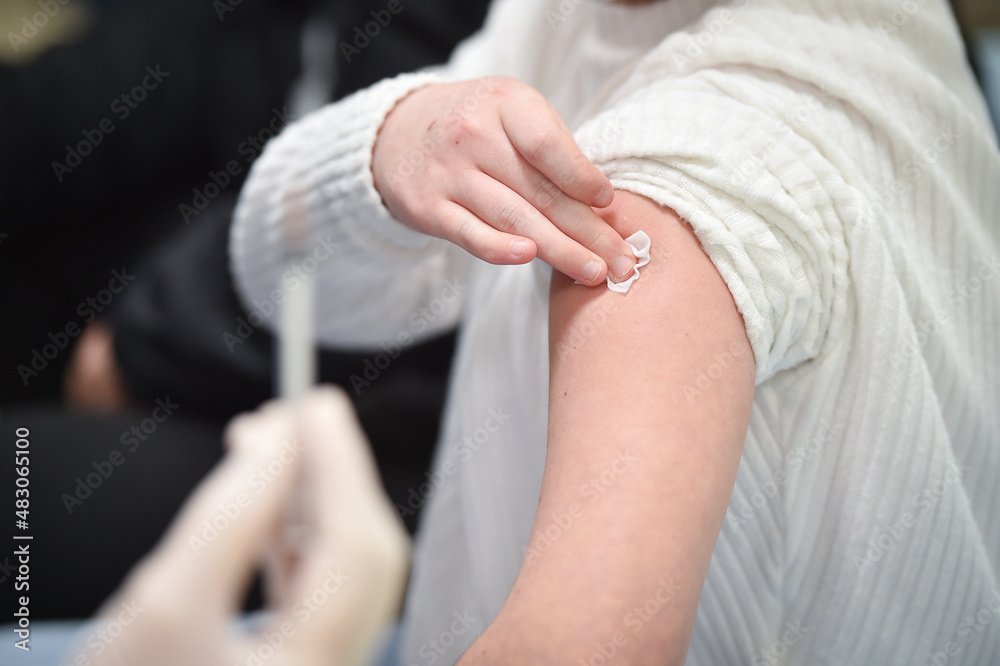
640	244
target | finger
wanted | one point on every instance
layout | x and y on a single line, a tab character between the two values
576	220
338	453
281	558
218	539
505	210
279	555
351	574
232	443
539	135
479	239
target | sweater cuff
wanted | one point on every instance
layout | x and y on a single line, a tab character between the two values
777	239
326	157
354	144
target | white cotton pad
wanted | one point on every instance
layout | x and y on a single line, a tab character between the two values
640	244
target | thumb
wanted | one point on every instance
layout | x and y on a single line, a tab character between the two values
351	574
217	541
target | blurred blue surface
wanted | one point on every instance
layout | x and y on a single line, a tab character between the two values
987	47
51	641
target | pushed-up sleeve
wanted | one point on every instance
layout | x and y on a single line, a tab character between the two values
750	157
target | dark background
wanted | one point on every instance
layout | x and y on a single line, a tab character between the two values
120	209
60	242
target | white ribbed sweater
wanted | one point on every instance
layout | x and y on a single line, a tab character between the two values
837	163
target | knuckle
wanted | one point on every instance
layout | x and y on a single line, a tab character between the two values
568	178
466	235
509	218
583	176
464	125
603	237
434	216
507	87
593	238
540	144
547	194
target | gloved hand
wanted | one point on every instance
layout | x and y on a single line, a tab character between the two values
333	593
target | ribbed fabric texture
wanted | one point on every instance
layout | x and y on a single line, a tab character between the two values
837	163
319	170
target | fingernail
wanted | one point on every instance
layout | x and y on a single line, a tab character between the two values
622	268
517	248
592	271
606	196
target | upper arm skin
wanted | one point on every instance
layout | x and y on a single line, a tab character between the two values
624	379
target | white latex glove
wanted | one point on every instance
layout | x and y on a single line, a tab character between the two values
335	594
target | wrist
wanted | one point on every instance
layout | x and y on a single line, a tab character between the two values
391	161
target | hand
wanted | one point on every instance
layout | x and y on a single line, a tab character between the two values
342	587
93	379
489	165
